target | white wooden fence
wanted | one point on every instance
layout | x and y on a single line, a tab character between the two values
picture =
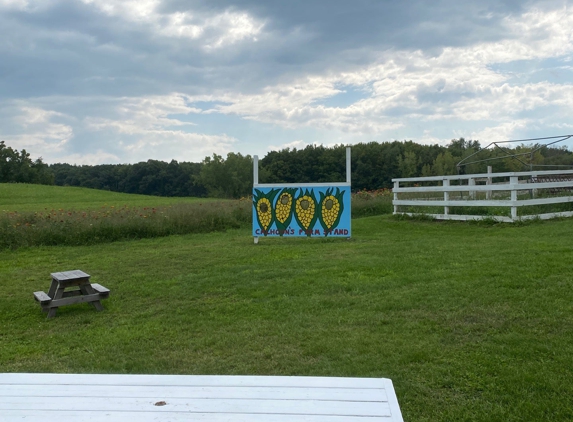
511	190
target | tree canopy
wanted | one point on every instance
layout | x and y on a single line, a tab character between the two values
18	167
374	165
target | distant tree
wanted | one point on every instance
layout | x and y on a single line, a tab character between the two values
374	165
444	164
227	178
313	164
556	156
20	168
459	147
408	164
426	170
147	178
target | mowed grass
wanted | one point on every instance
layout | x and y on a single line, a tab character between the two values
471	322
23	197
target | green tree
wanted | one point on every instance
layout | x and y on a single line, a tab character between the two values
426	170
408	164
444	164
227	178
20	168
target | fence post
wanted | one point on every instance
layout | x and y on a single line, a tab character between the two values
513	181
256	181
256	170
488	182
348	165
533	180
396	186
472	182
446	183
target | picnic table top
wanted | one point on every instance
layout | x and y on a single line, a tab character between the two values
69	275
98	397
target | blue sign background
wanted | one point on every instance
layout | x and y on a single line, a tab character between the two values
315	211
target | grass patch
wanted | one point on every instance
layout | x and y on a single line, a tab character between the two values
109	224
22	197
369	203
471	322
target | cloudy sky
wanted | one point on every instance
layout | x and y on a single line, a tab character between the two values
109	81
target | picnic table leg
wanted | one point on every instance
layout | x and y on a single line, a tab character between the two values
51	293
58	294
87	289
53	288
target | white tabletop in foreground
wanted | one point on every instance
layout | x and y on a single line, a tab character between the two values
143	398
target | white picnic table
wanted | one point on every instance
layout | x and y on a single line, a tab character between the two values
213	398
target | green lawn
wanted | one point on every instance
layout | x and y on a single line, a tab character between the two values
23	197
471	322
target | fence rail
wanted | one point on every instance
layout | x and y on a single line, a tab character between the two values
508	191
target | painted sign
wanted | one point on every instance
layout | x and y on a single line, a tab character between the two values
305	210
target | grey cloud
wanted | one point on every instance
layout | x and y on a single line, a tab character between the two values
68	51
74	59
74	49
387	23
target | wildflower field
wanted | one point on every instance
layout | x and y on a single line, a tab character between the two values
472	322
63	219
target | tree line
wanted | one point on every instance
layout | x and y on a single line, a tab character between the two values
374	165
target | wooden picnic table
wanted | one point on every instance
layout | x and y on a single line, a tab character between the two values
146	398
71	287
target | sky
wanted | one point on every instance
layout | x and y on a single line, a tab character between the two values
106	81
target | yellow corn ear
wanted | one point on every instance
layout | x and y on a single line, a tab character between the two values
264	212
304	209
283	207
330	210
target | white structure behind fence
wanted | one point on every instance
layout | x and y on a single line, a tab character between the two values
511	190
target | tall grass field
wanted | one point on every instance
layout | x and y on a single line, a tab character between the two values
79	216
472	322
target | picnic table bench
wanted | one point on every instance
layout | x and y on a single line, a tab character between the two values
82	291
146	398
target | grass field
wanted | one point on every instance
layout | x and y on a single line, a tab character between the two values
472	322
23	197
79	216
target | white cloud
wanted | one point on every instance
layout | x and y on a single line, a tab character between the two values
458	83
298	144
140	115
137	128
135	10
14	4
34	129
99	157
493	89
428	139
232	28
30	116
182	146
26	5
214	31
155	133
502	132
506	101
